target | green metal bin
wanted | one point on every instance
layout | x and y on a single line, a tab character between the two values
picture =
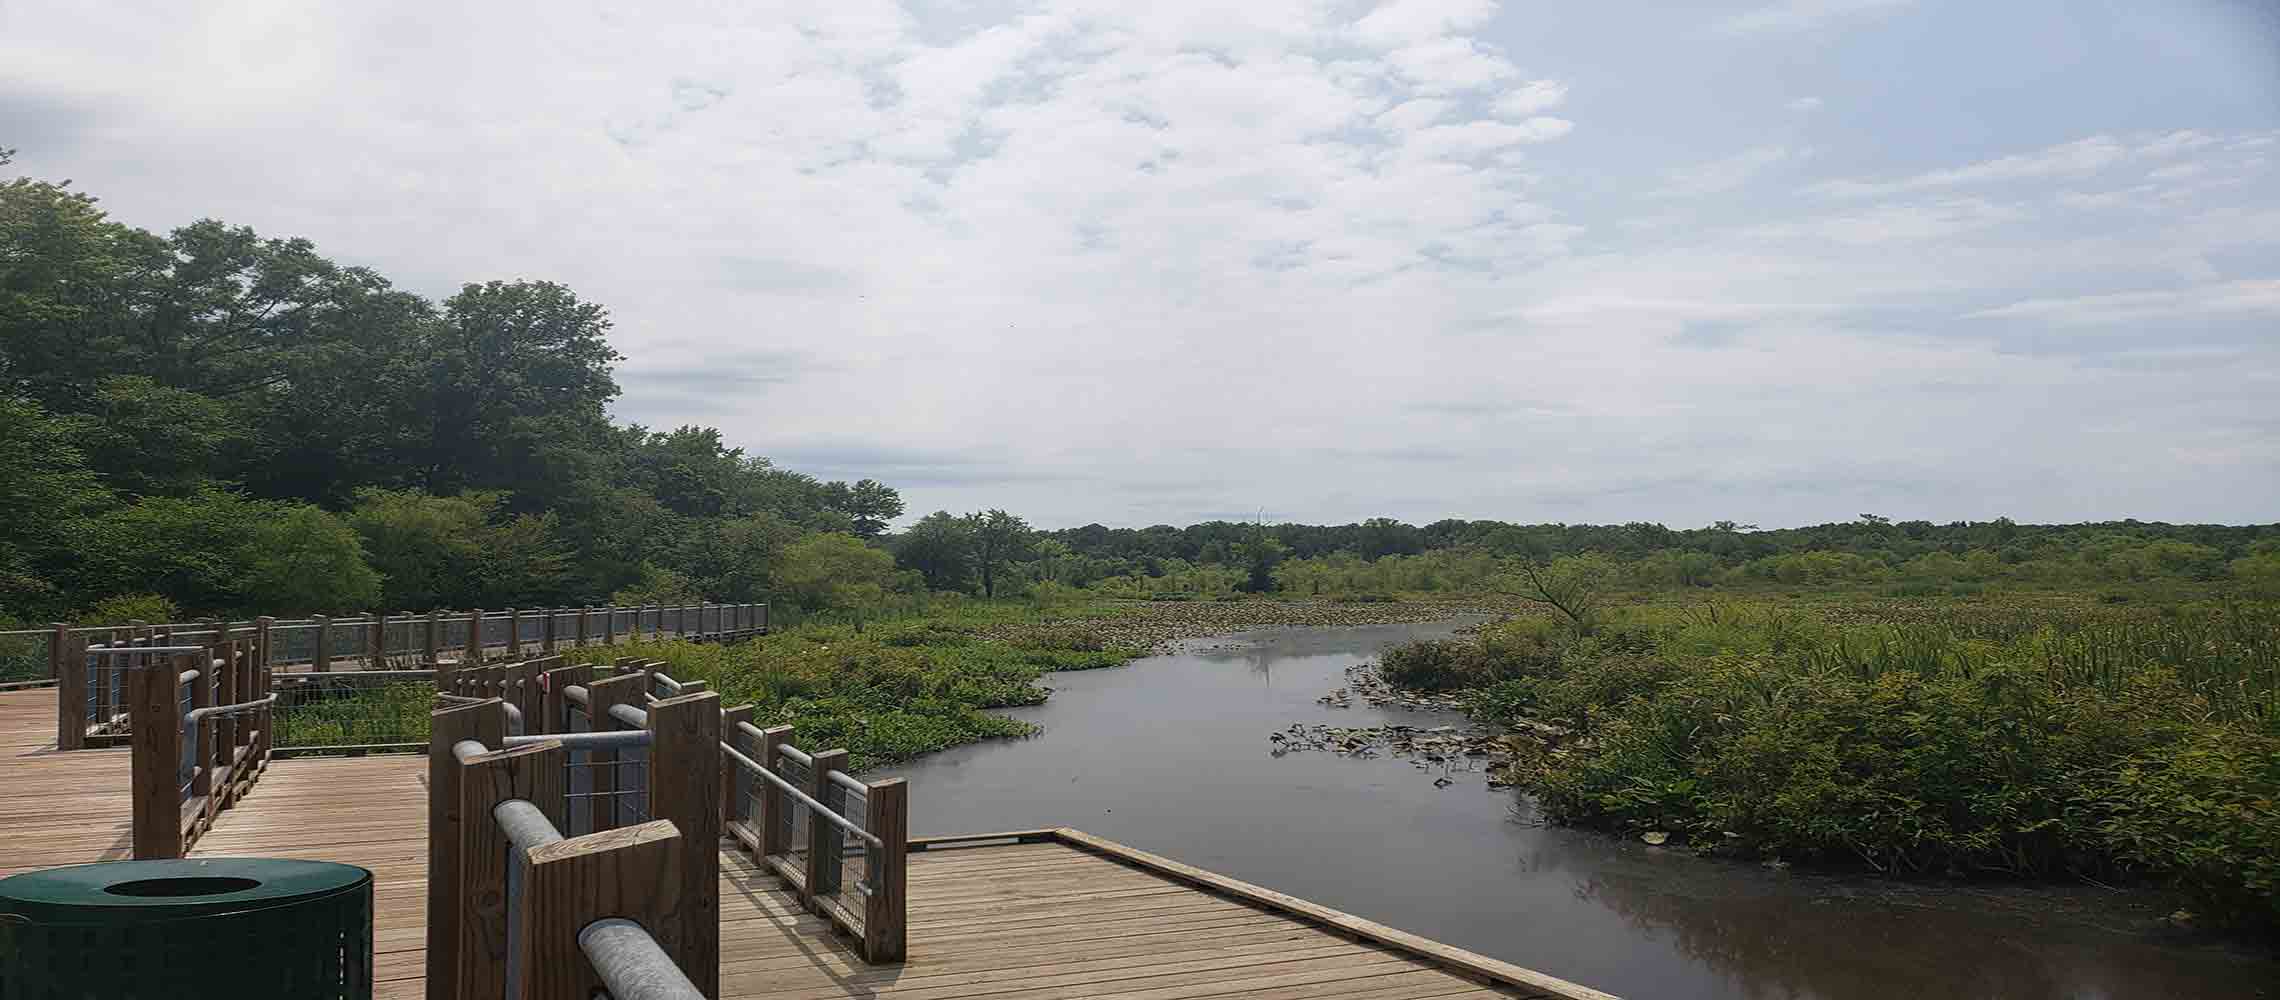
241	928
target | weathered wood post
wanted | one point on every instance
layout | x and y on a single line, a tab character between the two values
474	654
433	640
157	756
376	644
609	625
557	708
885	910
772	803
601	695
578	641
514	633
264	680
527	697
221	659
70	673
320	658
825	841
633	874
532	772
546	629
486	723
763	619
684	788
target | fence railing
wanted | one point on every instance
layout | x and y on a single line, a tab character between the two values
590	800
838	842
89	695
201	736
558	826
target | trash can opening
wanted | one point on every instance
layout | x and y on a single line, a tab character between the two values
148	887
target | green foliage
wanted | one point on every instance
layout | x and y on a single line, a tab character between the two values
149	608
2019	738
833	570
463	551
893	691
305	561
48	500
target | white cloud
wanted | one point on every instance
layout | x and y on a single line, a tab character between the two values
2122	308
1531	98
2077	158
1800	15
1805	105
1036	261
1399	22
1726	174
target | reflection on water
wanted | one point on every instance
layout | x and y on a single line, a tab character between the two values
1170	754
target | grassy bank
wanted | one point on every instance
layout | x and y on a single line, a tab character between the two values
2028	736
892	689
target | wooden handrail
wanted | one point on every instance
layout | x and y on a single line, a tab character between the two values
884	832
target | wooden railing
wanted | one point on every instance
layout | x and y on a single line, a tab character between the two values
201	721
89	697
579	799
792	810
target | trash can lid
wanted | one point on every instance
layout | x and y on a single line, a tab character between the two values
133	891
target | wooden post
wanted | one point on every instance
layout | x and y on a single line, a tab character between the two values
532	772
433	639
220	660
624	689
202	764
70	673
485	722
578	641
376	645
474	655
773	803
824	840
732	777
320	659
157	741
885	909
547	618
634	873
763	619
263	682
514	634
527	697
557	709
684	788
609	625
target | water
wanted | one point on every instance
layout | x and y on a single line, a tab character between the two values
1170	754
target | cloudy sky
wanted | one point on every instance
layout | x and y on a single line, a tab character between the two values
1779	262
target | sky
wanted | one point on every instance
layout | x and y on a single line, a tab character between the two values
1776	262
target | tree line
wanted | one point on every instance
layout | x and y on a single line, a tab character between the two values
210	420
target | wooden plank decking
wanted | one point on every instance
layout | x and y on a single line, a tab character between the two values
1067	916
57	808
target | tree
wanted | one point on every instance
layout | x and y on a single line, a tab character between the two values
999	539
1570	585
518	378
48	499
834	570
306	561
941	548
147	438
870	504
1258	555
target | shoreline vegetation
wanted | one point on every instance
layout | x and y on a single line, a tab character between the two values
2020	737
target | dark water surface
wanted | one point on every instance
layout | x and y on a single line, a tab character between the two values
1170	754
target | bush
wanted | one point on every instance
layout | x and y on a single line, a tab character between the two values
125	608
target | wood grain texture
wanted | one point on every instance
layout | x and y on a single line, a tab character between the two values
533	773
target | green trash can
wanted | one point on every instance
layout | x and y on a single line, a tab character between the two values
240	928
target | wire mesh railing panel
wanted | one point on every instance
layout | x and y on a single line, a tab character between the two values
792	820
292	644
855	859
532	628
455	634
349	710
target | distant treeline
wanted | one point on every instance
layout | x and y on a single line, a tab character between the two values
209	421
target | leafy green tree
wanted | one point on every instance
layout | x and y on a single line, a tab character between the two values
518	376
305	560
833	570
732	560
48	500
999	539
941	547
460	551
869	505
1259	554
190	549
148	438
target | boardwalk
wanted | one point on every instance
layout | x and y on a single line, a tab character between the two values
59	808
1070	917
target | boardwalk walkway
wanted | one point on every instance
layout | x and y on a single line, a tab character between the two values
1071	917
